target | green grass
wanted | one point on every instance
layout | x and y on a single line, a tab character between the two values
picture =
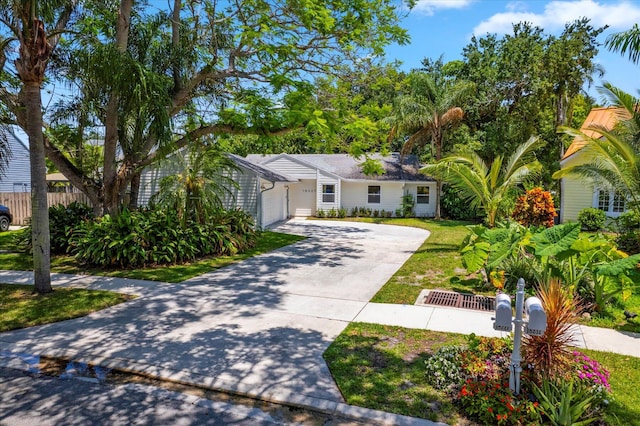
20	307
267	241
6	240
382	367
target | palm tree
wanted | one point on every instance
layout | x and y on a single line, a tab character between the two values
25	20
200	186
615	155
626	42
426	113
485	186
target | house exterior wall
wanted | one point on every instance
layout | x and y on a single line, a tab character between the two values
326	179
423	210
576	192
302	198
292	168
355	194
17	177
274	203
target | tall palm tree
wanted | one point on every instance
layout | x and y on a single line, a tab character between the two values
626	43
426	112
485	186
25	20
614	157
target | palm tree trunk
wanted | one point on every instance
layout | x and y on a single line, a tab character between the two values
39	207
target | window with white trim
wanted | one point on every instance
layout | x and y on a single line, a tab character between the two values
373	194
328	193
610	201
422	195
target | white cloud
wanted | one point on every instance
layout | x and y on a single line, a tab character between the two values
430	7
618	16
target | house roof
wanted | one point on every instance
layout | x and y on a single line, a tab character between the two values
261	171
347	167
606	117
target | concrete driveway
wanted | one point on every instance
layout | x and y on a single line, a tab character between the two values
258	327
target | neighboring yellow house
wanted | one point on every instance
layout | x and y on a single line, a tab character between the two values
578	193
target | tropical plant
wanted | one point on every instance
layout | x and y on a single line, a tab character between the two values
535	208
485	186
564	402
550	353
430	108
200	186
590	261
626	43
591	219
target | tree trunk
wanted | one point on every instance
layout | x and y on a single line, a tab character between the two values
135	191
39	207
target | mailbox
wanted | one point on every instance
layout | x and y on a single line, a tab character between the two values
503	319
537	317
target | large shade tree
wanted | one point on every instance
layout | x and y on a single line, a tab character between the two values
35	27
155	80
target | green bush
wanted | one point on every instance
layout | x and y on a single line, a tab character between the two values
454	207
320	213
628	221
342	213
63	221
148	237
591	219
629	242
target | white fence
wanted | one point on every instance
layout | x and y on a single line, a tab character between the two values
20	202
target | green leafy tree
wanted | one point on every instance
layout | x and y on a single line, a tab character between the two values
26	24
157	82
485	185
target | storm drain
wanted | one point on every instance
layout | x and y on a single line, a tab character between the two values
460	300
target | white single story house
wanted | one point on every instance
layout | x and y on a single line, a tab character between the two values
578	193
276	187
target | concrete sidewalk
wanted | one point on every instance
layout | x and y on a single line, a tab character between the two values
259	327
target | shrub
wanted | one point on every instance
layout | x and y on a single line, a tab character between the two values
320	213
443	367
591	219
63	221
333	213
535	208
628	221
550	353
629	242
342	213
454	207
140	238
564	402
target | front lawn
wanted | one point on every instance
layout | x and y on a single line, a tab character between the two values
266	242
383	367
20	307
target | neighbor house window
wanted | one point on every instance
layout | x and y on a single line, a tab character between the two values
610	201
618	203
373	195
423	195
328	193
603	200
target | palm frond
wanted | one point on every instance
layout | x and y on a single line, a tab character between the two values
626	43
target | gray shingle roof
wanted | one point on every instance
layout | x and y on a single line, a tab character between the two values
347	167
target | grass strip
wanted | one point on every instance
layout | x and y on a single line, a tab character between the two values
20	307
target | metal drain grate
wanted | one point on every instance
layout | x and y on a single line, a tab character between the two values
460	300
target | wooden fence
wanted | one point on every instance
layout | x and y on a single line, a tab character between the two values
20	202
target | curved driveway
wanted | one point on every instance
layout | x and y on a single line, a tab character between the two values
258	327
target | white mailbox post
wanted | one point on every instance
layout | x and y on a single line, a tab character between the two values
535	326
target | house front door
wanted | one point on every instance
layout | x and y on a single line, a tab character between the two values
303	198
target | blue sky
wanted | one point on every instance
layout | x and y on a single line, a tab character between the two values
444	27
